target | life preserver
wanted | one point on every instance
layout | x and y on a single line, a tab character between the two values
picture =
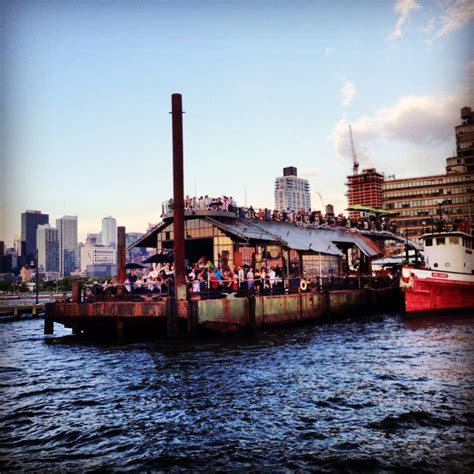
406	280
303	285
153	274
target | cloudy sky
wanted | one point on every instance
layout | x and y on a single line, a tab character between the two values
85	95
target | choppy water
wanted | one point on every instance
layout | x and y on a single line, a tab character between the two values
382	394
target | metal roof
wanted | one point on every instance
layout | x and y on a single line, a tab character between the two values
289	235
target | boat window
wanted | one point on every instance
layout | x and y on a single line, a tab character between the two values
454	240
428	242
440	241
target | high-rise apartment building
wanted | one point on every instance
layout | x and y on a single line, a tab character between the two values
30	220
67	236
420	200
364	189
109	232
48	248
292	192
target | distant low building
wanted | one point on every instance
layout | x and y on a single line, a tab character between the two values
101	271
98	256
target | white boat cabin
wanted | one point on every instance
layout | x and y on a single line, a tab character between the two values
449	252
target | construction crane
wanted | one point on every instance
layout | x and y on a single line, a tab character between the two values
355	167
322	200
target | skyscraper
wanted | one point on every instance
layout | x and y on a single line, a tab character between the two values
30	220
48	248
109	232
67	236
292	192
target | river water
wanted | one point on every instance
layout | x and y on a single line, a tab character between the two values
380	394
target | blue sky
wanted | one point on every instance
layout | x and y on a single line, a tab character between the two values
86	88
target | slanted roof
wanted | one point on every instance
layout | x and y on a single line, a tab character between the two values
307	239
149	239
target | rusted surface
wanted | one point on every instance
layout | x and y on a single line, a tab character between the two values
178	196
227	311
284	309
121	255
110	309
231	314
76	291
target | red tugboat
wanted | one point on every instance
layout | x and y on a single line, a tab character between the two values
446	281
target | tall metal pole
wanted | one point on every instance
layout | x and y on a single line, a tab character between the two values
178	197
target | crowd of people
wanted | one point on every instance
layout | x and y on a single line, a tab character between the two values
204	276
301	218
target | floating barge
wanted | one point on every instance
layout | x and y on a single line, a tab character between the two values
319	257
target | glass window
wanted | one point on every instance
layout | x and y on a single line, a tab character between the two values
428	242
440	241
454	240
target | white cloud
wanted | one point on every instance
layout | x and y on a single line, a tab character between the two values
404	8
422	120
347	93
310	173
328	51
429	26
457	13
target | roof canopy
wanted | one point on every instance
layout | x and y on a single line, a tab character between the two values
306	239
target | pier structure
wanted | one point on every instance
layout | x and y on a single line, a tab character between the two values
312	266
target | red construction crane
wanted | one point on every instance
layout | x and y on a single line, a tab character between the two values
355	167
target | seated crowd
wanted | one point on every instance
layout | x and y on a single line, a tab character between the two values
301	218
203	276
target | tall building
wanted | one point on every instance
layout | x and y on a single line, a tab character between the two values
2	253
365	189
109	232
48	248
30	220
292	192
421	200
67	236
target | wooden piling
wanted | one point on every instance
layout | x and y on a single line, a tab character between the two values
48	318
252	304
170	317
193	318
76	291
120	332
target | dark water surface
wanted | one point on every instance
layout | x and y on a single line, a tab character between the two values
380	394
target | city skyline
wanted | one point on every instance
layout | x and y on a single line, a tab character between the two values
87	95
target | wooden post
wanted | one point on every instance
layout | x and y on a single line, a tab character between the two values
252	303
178	197
76	291
48	318
121	256
120	332
193	318
170	317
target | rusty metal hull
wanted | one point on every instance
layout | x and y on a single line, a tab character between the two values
230	314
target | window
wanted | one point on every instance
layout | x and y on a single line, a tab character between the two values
428	242
454	240
440	241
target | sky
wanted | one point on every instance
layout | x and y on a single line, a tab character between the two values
85	96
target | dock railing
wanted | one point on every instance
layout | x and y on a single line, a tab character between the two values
223	289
